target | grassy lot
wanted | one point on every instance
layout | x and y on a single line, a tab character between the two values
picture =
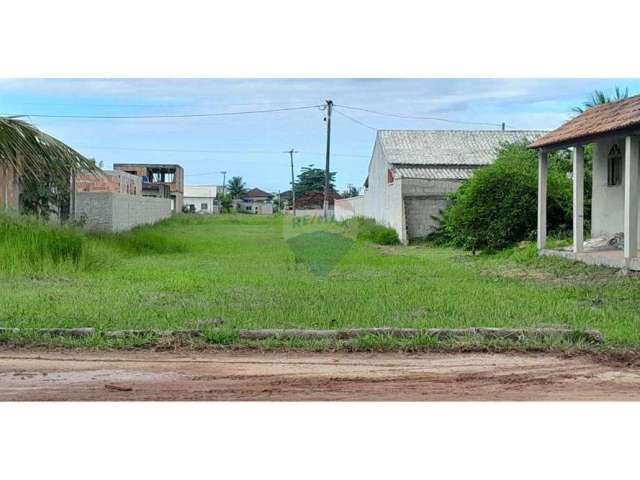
263	272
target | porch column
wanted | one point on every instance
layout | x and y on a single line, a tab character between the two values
630	199
578	198
542	199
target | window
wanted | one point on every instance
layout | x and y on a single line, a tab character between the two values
203	206
390	178
614	166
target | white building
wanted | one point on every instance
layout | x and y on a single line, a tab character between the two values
613	130
202	198
412	172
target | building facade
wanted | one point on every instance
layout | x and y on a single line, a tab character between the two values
158	180
256	201
413	172
202	198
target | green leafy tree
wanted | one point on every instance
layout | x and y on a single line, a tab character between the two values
311	179
497	206
226	202
598	97
236	187
351	191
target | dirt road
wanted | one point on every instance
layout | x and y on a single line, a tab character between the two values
146	375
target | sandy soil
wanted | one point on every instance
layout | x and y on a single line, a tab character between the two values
147	375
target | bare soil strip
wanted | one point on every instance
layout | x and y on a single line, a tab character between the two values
147	375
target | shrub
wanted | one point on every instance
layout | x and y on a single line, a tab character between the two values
497	206
367	229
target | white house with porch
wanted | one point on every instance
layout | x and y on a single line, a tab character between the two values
613	130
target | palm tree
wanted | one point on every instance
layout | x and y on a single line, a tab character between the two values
30	152
600	98
236	187
42	163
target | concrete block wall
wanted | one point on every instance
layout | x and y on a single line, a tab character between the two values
118	212
423	200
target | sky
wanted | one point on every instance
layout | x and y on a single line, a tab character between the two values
253	146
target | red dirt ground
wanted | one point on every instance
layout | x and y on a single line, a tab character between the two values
148	375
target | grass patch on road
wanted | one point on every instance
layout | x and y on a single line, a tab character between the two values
255	272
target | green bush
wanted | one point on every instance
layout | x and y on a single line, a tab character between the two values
368	230
497	206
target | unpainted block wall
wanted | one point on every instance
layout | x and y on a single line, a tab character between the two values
117	212
423	200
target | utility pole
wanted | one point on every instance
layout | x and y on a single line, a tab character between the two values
326	168
224	181
293	182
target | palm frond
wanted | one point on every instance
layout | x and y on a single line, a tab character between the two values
29	151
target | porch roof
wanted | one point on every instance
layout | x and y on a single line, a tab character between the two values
600	120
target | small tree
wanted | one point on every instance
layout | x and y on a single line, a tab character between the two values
311	179
351	191
236	187
226	202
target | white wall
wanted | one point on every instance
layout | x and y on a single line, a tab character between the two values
607	204
383	201
198	201
346	208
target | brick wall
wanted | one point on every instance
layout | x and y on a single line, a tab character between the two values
117	212
109	181
9	189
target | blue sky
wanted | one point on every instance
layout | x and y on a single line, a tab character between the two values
252	146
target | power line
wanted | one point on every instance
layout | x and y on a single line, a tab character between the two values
416	117
186	150
140	117
356	121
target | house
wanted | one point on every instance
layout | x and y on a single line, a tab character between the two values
113	201
256	201
412	173
613	131
158	180
202	198
311	204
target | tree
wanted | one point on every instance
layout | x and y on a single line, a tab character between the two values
42	163
497	206
598	97
351	191
226	202
236	187
311	179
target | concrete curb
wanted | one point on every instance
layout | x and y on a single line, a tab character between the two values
592	336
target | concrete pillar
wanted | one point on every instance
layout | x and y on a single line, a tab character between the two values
578	199
630	199
542	199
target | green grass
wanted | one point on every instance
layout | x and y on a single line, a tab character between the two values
264	272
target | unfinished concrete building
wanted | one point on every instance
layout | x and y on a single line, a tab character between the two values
158	180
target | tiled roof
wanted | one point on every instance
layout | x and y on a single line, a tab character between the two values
448	147
433	173
597	120
256	193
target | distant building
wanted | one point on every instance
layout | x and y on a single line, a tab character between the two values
158	180
202	198
256	201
